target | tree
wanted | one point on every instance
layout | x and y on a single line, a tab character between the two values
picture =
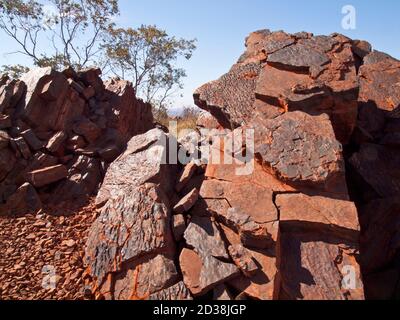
74	29
14	71
148	56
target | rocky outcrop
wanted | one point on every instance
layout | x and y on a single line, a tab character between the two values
282	72
59	132
291	193
331	82
130	250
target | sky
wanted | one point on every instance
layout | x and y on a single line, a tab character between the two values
220	27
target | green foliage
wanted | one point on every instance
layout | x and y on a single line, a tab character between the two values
14	71
74	29
148	56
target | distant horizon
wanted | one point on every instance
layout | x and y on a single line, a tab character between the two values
221	27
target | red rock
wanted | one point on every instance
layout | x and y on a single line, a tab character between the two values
207	121
317	266
302	72
243	260
140	209
177	292
32	140
186	175
222	293
4	140
7	161
86	128
320	212
42	177
24	201
179	227
56	141
379	82
187	202
36	111
22	147
126	114
379	239
201	274
5	122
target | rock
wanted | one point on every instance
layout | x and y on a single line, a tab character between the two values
83	179
76	142
126	114
230	99
37	110
177	292
135	214
299	57
378	166
243	260
379	239
186	175
361	48
262	284
43	177
91	78
281	72
88	93
56	141
205	238
68	243
32	140
22	147
141	162
4	140
202	274
187	202
317	266
316	211
178	227
89	130
302	149
205	120
146	279
5	122
24	201
11	92
7	161
379	82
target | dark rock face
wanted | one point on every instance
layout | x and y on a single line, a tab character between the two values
59	130
131	244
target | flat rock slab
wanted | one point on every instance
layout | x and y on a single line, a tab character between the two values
204	237
43	177
202	274
302	149
187	202
300	208
380	82
315	266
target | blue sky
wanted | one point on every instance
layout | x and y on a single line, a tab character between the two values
220	27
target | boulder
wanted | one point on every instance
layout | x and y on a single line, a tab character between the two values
24	201
283	72
202	273
134	225
43	177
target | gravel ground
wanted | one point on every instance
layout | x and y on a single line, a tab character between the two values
41	257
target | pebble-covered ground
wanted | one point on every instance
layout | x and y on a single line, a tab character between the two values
41	256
